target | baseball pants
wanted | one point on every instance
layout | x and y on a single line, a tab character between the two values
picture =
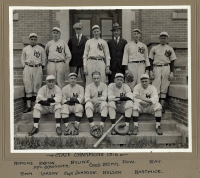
101	108
149	109
75	109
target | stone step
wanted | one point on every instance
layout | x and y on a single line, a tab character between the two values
85	138
49	126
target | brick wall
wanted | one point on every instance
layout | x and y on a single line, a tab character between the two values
19	106
179	108
18	81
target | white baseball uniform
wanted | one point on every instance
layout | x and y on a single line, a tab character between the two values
32	58
57	52
96	49
68	92
151	93
136	58
162	55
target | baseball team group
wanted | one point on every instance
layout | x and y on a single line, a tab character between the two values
128	67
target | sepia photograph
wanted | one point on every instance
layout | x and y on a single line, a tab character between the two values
100	79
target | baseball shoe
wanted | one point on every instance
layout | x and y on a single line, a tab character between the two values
58	131
159	131
135	131
33	131
27	110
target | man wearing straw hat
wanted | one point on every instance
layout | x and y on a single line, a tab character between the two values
116	48
96	56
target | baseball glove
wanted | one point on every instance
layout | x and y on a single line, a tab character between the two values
121	129
72	129
129	77
96	131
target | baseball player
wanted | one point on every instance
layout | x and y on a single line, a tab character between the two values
72	99
135	59
146	101
116	48
33	60
162	59
95	98
58	53
119	100
77	45
48	101
96	56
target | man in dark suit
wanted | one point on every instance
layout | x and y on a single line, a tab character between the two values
77	45
116	48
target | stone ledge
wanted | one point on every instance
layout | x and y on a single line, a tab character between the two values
18	92
178	91
184	131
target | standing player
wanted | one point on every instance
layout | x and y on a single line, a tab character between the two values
72	99
119	100
116	48
77	45
162	59
96	56
57	52
33	60
48	101
95	98
146	101
135	59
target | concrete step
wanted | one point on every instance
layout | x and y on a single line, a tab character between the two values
49	126
85	137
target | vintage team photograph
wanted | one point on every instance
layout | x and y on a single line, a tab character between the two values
105	78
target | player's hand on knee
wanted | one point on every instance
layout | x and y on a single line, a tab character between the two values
152	77
85	71
171	76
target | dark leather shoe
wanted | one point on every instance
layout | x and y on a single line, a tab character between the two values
33	131
58	131
159	131
135	131
27	110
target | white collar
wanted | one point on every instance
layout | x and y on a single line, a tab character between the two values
79	35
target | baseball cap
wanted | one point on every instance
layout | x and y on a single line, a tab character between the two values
56	29
164	34
144	76
117	75
72	74
50	77
136	30
95	26
33	34
78	25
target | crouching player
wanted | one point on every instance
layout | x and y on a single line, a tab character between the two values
95	98
119	100
146	101
72	99
48	101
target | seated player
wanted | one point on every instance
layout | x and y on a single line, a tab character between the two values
48	101
72	99
119	100
146	101
95	98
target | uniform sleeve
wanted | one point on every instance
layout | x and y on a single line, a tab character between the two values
64	95
128	92
110	92
41	95
47	50
146	57
87	93
136	92
86	52
125	56
154	96
44	58
68	55
58	95
107	54
81	95
23	57
151	54
173	55
105	93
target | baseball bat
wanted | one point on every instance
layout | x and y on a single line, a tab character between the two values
104	135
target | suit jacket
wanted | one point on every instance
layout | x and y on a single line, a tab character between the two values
116	53
77	51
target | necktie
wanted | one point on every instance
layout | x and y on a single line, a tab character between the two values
116	40
78	41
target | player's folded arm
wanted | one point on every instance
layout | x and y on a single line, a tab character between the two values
44	103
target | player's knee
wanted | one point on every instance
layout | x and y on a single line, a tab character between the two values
79	108
89	105
58	106
38	107
129	104
112	104
157	107
65	109
104	105
135	106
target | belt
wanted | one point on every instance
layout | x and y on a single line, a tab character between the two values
136	62
93	58
56	61
37	65
160	65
